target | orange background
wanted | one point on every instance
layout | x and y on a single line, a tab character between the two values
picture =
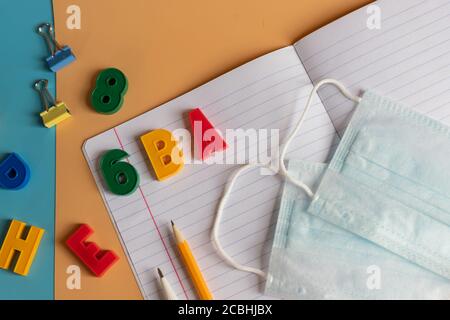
165	47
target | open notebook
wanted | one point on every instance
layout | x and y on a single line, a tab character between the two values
407	59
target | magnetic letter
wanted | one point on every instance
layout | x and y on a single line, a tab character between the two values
14	172
27	248
165	157
98	261
207	139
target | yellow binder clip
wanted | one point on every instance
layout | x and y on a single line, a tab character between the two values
55	112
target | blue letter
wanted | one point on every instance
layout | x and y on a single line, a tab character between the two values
14	172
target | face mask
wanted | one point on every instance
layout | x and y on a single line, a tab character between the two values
387	183
314	259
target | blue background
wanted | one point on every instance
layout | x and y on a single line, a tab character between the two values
22	54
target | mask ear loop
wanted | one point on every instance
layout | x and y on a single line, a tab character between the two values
283	172
215	230
300	122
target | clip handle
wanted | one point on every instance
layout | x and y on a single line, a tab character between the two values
41	86
48	33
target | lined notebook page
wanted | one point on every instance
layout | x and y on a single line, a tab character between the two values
269	92
408	59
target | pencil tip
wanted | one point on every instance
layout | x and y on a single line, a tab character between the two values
160	273
172	223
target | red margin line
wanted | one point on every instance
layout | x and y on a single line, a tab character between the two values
156	226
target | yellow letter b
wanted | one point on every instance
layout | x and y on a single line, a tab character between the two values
165	157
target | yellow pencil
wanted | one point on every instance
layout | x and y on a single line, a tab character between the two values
191	265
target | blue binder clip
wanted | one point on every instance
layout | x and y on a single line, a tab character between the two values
61	56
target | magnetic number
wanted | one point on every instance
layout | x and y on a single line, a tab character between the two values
110	88
120	177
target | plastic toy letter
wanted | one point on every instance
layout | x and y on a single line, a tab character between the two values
166	158
27	248
14	172
207	139
120	177
98	261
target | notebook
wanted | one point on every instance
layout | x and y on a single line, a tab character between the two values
408	59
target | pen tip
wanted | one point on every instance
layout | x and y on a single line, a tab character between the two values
171	222
160	273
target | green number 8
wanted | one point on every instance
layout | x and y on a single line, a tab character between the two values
110	87
120	177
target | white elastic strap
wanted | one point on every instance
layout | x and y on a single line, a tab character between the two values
283	172
215	229
283	169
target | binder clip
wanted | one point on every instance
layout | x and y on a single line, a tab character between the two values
54	112
61	56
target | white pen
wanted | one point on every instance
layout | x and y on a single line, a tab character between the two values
169	294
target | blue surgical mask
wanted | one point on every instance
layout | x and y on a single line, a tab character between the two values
389	182
314	259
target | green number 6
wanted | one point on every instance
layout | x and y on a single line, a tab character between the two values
120	177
